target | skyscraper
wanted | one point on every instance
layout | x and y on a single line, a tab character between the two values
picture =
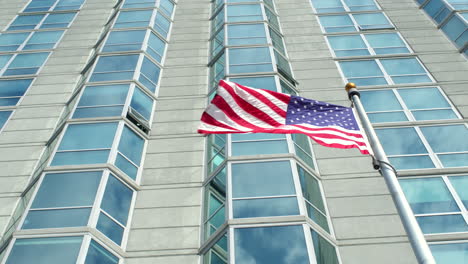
100	161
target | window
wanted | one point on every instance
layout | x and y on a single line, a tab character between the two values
110	68
313	198
98	254
456	29
23	22
249	34
217	71
384	71
265	82
215	200
149	74
258	144
46	5
156	47
263	189
218	253
217	21
244	13
162	25
12	41
59	20
272	19
250	60
303	149
124	41
11	91
334	6
354	22
273	244
68	5
325	252
426	146
139	3
129	152
4	115
215	152
282	64
449	252
128	19
438	202
407	104
367	44
25	64
217	43
167	7
43	40
277	41
110	100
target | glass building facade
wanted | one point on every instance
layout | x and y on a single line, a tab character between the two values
100	161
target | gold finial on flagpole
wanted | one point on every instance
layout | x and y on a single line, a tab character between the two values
350	86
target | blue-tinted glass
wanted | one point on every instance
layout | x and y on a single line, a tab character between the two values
149	74
250	60
442	224
38	6
455	29
324	6
398	141
437	9
454	160
14	87
267	245
9	101
262	179
335	21
67	189
156	47
460	183
428	195
380	100
97	254
325	253
265	207
43	40
26	22
80	157
58	20
402	66
387	117
311	189
242	13
346	42
267	83
386	43
68	4
162	25
424	98
412	162
4	60
246	34
117	199
361	5
126	166
114	68
142	103
167	7
110	228
57	218
259	147
371	21
49	250
434	114
124	40
100	111
447	138
26	63
455	253
4	115
131	145
138	3
88	136
12	41
133	19
104	95
362	68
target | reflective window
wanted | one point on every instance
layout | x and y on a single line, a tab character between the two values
303	149
139	3
4	115
156	47
367	44
97	254
162	25
43	40
128	19
217	22
334	6
250	60
26	64
433	200
109	68
354	22
12	41
266	245
266	82
11	91
149	74
68	5
325	252
248	34
258	144
313	198
215	199
59	20
384	71
23	22
446	146
46	5
104	100
217	43
129	152
31	250
218	253
217	71
167	7
263	189
456	30
215	151
407	104
243	13
450	253
124	41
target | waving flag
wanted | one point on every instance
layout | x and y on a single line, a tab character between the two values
240	109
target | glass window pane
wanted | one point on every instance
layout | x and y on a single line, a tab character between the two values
97	254
402	66
265	207
12	88
104	95
384	40
428	195
262	179
156	47
267	83
242	13
38	6
57	218
117	200
80	157
324	6
58	20
363	68
325	253
162	25
250	60
451	138
311	189
131	145
337	23
267	245
142	103
45	250
387	117
149	75
4	115
43	40
397	141
110	228
12	41
67	189
25	22
442	224
128	19
68	4
450	253
246	34
259	147
126	166
346	42
114	68
460	183
380	100
138	3
124	40
423	98
26	63
412	162
453	160
88	136
434	114
372	21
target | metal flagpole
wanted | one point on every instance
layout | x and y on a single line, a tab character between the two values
415	235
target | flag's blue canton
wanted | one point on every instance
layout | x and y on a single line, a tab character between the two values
317	113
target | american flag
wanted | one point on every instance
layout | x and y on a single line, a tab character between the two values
240	109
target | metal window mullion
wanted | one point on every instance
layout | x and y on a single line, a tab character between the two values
138	66
309	244
406	110
456	197
114	148
447	99
129	217
56	147
386	75
369	47
30	202
7	65
22	45
229	211
355	23
112	218
426	144
85	244
231	248
297	185
94	216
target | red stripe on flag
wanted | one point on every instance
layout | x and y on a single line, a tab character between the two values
227	110
211	121
264	100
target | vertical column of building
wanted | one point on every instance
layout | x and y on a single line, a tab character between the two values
79	204
263	196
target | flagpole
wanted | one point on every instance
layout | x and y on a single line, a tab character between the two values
415	235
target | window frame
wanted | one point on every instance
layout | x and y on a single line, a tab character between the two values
20	98
345	7
28	38
40	23
14	56
355	24
51	8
